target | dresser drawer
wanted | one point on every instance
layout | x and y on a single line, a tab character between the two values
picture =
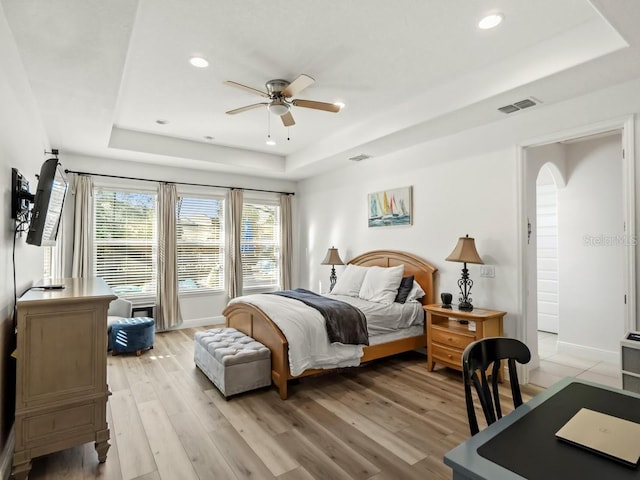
447	355
450	338
60	423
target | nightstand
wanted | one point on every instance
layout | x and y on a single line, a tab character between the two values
447	337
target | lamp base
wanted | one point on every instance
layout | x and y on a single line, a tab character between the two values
465	306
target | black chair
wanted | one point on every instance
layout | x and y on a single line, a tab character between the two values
476	359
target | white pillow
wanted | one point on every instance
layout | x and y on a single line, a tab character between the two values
381	284
350	281
416	293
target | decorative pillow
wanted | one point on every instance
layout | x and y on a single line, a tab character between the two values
381	284
416	292
404	289
350	281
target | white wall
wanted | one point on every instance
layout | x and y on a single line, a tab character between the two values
22	142
463	183
196	309
455	192
591	249
553	156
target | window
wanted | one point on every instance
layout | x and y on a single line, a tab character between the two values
125	240
260	245
200	243
47	271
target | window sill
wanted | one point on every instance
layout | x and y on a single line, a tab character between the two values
202	292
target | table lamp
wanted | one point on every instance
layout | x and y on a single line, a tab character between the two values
332	258
465	252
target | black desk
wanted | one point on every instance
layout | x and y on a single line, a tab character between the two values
523	444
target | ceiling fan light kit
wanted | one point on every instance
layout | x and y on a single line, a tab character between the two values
279	93
279	107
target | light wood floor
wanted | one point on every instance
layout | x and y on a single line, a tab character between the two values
387	420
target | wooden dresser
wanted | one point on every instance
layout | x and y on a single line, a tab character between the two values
447	337
61	377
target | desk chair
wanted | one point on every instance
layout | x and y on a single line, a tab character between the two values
476	359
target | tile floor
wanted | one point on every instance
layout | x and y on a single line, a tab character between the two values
555	366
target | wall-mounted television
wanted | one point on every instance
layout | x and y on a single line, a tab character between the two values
47	205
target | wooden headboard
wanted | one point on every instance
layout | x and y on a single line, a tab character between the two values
423	271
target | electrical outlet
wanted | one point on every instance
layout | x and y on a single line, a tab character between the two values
487	271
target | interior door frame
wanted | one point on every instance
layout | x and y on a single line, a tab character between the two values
627	125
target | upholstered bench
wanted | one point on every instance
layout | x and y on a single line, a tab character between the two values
233	361
128	335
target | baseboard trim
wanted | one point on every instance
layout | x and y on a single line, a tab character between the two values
6	455
201	322
589	352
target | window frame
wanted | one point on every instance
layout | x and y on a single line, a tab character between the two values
193	193
132	187
269	200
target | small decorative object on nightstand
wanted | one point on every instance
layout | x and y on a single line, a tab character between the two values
446	300
447	335
332	258
465	252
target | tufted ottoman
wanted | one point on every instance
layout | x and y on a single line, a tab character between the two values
233	361
131	335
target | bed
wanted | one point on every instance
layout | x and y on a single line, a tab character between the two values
256	323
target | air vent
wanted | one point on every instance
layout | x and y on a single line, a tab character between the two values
508	109
526	103
359	158
520	105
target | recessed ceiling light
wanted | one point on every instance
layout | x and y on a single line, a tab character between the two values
340	104
199	62
270	142
490	21
162	122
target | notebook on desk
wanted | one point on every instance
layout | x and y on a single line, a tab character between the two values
606	435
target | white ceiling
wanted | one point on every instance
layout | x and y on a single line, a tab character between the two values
103	72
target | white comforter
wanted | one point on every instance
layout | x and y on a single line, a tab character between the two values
309	345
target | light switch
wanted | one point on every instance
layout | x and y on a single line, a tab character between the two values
487	271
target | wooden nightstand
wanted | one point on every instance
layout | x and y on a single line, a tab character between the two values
447	337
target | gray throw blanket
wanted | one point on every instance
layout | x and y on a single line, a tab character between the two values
345	323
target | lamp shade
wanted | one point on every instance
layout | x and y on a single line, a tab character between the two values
332	258
465	251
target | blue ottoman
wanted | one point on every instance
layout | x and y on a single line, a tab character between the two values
130	335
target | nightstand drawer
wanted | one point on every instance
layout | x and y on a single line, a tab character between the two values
446	355
451	338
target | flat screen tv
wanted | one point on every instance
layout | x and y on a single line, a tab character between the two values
47	205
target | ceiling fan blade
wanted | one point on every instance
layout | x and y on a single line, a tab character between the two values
299	84
327	107
244	109
287	119
231	83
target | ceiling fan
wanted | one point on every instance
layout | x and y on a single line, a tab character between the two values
279	93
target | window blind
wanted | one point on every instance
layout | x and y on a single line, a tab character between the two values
200	243
47	271
260	245
125	241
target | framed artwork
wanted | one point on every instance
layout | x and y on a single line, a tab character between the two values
390	207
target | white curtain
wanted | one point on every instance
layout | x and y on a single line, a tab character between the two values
286	238
234	272
168	309
83	227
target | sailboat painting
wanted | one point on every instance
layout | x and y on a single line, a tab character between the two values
390	207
